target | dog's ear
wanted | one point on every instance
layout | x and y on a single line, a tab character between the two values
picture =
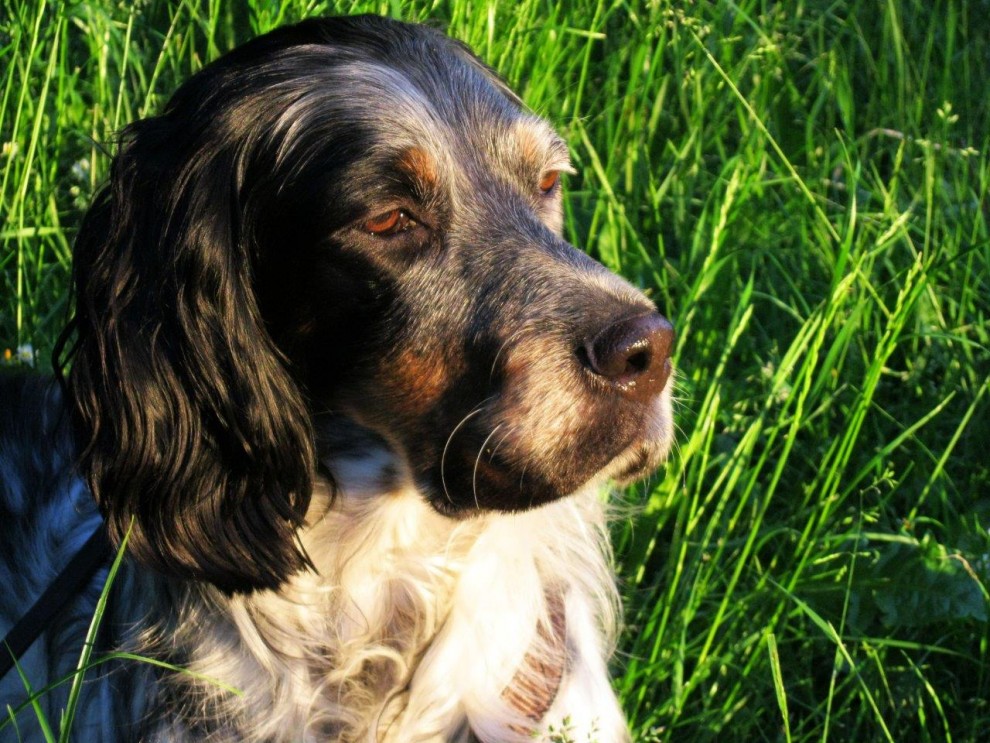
193	434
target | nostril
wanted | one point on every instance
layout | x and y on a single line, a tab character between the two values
638	362
633	354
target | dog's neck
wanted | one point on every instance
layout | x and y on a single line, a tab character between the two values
450	621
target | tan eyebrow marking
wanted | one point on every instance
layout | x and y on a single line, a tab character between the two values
539	147
419	166
529	146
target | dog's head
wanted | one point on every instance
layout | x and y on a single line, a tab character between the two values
351	218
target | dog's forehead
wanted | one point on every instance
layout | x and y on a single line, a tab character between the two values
447	116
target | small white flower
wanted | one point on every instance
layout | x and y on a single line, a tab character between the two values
25	354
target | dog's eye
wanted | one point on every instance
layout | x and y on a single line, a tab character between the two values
549	181
389	223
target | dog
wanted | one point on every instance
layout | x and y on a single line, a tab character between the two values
349	400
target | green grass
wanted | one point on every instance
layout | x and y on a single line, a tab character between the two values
803	188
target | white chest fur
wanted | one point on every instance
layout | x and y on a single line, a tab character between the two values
414	626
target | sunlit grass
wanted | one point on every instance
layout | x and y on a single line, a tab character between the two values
803	188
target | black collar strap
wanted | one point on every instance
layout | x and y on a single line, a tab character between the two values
66	586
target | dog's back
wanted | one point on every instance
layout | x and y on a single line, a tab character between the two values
46	515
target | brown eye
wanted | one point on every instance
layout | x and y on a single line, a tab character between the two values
389	223
549	181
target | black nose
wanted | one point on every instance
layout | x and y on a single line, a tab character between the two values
633	354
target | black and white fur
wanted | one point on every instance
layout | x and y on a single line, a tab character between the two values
359	467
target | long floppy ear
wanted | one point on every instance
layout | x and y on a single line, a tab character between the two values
189	422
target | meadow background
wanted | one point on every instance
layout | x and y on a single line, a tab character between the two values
802	187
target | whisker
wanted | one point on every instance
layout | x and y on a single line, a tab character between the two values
501	441
474	474
511	339
443	457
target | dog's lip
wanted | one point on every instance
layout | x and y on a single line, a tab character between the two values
635	462
642	465
640	457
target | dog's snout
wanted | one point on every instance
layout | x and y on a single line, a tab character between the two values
633	354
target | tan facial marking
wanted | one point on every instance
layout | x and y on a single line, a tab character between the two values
419	166
530	146
421	380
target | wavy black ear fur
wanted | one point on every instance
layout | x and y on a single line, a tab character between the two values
190	423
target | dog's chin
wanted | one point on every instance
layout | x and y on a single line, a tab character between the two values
493	487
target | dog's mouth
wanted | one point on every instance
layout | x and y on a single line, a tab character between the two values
521	449
498	466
